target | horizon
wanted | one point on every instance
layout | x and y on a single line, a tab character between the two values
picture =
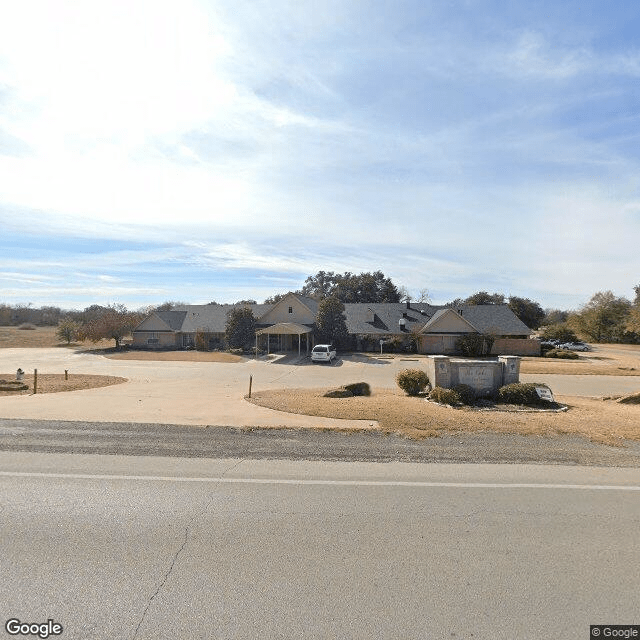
228	150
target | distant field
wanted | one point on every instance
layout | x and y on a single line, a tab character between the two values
602	360
39	338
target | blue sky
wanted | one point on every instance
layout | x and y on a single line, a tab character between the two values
222	150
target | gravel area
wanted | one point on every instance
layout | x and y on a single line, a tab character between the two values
306	444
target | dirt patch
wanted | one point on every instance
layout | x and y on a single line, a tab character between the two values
173	356
55	383
600	421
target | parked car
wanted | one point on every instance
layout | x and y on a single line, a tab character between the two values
581	346
323	353
574	346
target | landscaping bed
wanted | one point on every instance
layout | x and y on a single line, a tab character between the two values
55	383
172	356
606	422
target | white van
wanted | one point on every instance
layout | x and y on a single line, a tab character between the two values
323	353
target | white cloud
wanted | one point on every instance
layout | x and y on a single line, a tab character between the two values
533	55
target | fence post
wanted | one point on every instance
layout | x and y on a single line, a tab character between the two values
250	382
35	381
66	374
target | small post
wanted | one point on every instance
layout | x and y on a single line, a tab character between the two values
35	381
250	382
66	374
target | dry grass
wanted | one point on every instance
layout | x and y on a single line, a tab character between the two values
586	364
55	383
182	356
600	421
38	338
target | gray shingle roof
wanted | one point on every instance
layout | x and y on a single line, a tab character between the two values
489	318
495	318
386	317
213	317
173	319
362	318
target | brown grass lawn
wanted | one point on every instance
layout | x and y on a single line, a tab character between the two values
55	382
604	360
40	337
601	421
184	356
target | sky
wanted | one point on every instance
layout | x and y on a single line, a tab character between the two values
220	150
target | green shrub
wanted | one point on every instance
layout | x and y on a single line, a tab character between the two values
201	340
545	348
393	345
412	381
445	396
359	388
562	353
466	393
559	331
521	393
473	345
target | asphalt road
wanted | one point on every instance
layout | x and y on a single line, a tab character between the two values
152	548
305	444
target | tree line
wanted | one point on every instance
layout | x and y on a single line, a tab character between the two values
604	318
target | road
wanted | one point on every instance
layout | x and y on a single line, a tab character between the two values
152	548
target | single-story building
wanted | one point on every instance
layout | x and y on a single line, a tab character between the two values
288	325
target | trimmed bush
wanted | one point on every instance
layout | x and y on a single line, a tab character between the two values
412	381
445	396
466	393
522	393
359	388
634	398
338	393
562	353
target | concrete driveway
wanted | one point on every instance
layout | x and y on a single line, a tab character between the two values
195	393
211	393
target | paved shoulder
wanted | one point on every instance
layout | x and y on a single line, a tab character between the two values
232	442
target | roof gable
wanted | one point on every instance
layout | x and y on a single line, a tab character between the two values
449	321
162	321
303	309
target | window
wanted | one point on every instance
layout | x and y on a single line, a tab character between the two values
153	338
290	309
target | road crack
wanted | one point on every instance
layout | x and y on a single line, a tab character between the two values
178	552
164	580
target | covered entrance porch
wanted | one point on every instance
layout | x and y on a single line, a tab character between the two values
285	337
